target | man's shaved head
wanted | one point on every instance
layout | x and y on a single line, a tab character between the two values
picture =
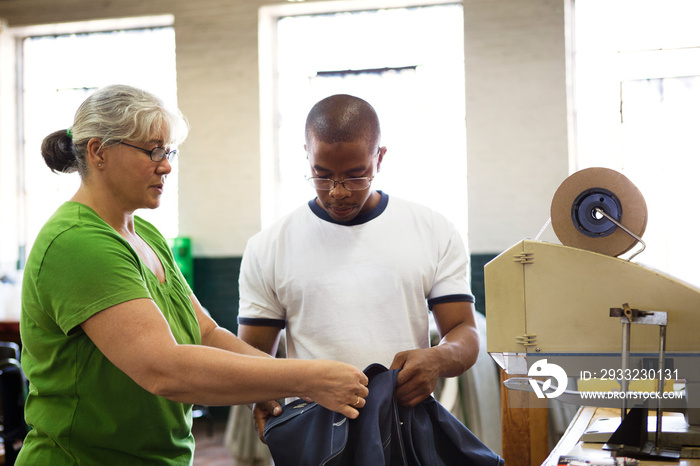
343	118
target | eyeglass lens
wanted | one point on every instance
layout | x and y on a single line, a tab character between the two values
158	153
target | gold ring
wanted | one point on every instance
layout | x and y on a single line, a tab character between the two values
358	401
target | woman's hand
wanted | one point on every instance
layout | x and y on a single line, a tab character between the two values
334	385
338	386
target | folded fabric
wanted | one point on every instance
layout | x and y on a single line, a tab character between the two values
307	434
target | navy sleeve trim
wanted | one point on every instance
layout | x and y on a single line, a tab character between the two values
279	323
453	298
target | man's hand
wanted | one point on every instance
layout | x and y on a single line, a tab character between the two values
456	352
417	377
262	412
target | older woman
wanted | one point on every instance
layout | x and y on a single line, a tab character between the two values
115	345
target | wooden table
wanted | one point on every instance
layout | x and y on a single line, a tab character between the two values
570	444
9	331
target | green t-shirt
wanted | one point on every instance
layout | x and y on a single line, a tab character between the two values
81	408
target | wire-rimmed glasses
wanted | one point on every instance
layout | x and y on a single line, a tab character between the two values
351	184
157	153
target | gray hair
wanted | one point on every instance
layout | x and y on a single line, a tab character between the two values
113	114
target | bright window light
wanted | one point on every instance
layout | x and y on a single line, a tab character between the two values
637	109
59	73
409	64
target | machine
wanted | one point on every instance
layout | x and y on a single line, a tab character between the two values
573	320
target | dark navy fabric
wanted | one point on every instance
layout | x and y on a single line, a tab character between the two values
307	434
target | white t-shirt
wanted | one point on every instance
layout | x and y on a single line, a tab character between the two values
353	292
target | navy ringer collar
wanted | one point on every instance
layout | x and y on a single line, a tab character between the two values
360	219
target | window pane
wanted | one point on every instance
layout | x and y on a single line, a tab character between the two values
637	95
59	73
415	81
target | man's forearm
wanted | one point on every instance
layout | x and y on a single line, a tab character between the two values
460	349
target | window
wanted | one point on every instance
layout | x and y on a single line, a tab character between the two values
407	62
58	72
637	99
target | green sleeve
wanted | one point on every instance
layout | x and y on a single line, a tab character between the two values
86	270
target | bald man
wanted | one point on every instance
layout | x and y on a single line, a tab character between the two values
353	275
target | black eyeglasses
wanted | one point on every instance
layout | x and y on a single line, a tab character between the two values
351	184
157	153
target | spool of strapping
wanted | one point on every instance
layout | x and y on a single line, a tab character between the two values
593	208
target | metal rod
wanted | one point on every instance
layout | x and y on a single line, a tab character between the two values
644	246
624	383
662	356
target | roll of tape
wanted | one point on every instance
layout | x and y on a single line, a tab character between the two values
577	222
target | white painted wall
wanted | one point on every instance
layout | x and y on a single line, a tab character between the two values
517	135
517	117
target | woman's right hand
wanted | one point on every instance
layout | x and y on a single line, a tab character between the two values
337	386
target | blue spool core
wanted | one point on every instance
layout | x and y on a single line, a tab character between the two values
590	222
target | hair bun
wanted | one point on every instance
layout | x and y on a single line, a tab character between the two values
57	150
